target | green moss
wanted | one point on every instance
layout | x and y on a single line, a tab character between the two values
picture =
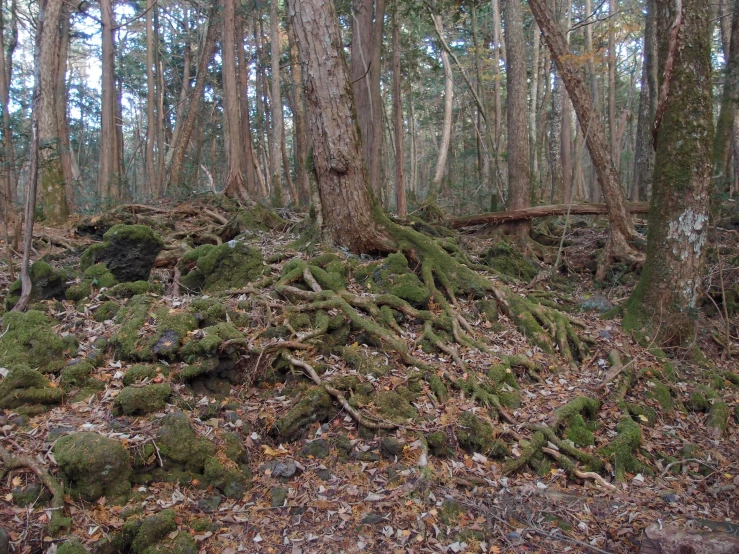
27	388
76	376
229	265
450	512
642	414
46	283
505	259
106	311
208	311
577	431
72	547
231	482
580	405
200	524
139	372
477	435
621	451
90	255
315	405
93	466
438	387
142	400
328	280
130	289
181	544
128	251
393	407
662	394
152	530
28	340
501	374
364	362
180	446
438	444
209	344
718	417
132	318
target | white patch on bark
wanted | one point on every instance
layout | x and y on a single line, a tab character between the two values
687	231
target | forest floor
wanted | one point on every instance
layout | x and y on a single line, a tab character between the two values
426	485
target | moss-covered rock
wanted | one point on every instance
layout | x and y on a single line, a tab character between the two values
208	311
578	417
621	451
180	447
106	311
718	417
364	361
139	372
181	544
229	265
315	405
76	375
142	400
72	546
394	276
152	530
393	407
93	466
477	435
47	283
25	390
29	340
131	289
231	481
438	444
505	259
128	251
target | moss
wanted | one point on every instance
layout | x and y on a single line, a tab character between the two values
132	318
142	400
488	309
128	251
139	372
314	406
152	530
180	446
46	283
131	289
327	279
208	311
698	402
505	259
93	466
90	255
577	431
393	407
76	376
621	451
364	362
662	394
501	374
28	340
106	311
581	405
181	544
438	387
234	449
438	444
209	344
200	524
477	435
72	546
229	265
718	417
230	481
25	387
642	414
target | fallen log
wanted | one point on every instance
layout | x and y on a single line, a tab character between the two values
497	218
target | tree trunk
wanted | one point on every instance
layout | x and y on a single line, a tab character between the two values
401	205
446	130
612	80
62	99
519	178
109	179
665	300
10	178
621	228
180	146
301	131
729	103
534	94
231	110
276	105
497	49
248	168
152	172
51	175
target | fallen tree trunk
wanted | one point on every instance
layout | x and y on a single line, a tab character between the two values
496	218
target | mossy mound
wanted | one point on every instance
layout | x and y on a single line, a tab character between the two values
394	276
93	466
131	289
505	259
29	341
315	405
128	251
183	451
76	375
230	265
94	277
364	362
47	283
106	311
72	546
208	311
257	218
27	391
579	419
232	482
143	536
477	435
391	406
621	451
142	400
167	328
139	372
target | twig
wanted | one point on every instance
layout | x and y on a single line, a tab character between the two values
581	474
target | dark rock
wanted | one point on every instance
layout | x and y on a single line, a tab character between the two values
142	400
367	456
596	303
317	449
324	474
372	519
152	530
605	334
391	448
343	444
210	504
670	498
128	251
231	482
284	469
30	494
47	283
315	405
180	446
278	495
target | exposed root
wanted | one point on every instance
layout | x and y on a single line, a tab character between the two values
580	474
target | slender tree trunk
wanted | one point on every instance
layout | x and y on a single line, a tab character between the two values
180	146
621	228
247	157
62	96
152	172
594	192
51	175
555	141
235	185
532	105
301	130
337	160
10	179
414	146
276	104
108	176
729	103
566	134
497	48
612	80
519	178
666	299
400	199
446	130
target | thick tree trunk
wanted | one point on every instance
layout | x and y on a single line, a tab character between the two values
341	173
109	178
534	94
247	157
180	146
497	50
235	185
152	172
51	175
621	228
401	205
301	131
665	300
612	80
62	96
446	130
729	102
276	105
519	178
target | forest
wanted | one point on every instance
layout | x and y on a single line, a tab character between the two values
343	276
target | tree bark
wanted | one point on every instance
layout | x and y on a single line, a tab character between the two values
401	204
235	184
519	178
446	130
109	178
621	228
276	105
612	80
152	172
180	146
729	103
10	178
665	300
62	96
301	131
248	167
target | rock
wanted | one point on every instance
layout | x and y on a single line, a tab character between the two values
76	374
4	542
179	445
284	469
317	449
278	497
214	268
97	277
142	400
128	251
210	504
324	474
315	405
391	448
438	444
28	391
92	466
368	456
29	341
596	303
670	498
372	519
33	493
343	444
47	283
393	407
153	529
72	546
139	372
58	431
230	481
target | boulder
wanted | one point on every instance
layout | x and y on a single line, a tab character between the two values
26	391
28	340
215	268
47	284
128	251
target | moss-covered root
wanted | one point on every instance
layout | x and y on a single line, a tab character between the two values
538	440
718	418
545	327
621	451
592	463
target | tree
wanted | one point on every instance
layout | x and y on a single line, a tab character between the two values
519	180
446	129
354	220
621	228
400	199
276	103
10	180
665	300
729	101
151	125
109	172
